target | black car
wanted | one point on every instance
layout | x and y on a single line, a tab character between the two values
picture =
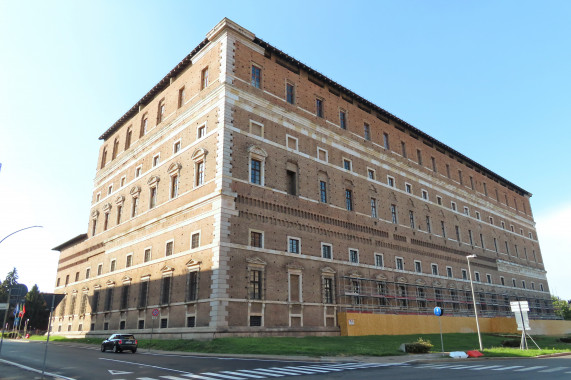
120	342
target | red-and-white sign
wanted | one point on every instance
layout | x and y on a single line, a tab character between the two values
156	312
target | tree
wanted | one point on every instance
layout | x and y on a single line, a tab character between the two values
11	280
561	308
36	310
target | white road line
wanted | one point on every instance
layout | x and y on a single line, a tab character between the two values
506	368
243	374
147	365
36	370
530	368
191	375
274	371
555	369
296	371
484	367
258	373
308	369
222	376
463	366
223	358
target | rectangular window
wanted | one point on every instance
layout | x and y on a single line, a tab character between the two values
514	283
489	278
349	200
394	214
411	218
319	107
147	255
428	226
371	174
478	215
169	248
346	164
434	268
419	156
153	197
134	207
181	97
434	167
138	171
294	245
386	141
201	132
460	177
143	293
342	119
204	78
119	212
99	269
141	324
477	276
256	284
161	112
176	147
447	170
403	148
322	155
470	236
457	233
199	167
291	182
482	241
192	286
367	132
328	290
425	195
399	263
472	182
417	266
390	181
464	274
144	123
323	191
255	171
485	189
290	93
129	261
128	138
496	245
453	206
256	239
326	251
408	188
373	207
87	273
166	290
108	299
353	256
195	240
466	211
174	186
507	247
125	298
256	76
379	261
449	272
439	200
106	221
442	226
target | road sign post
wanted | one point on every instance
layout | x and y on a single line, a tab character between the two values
155	315
438	312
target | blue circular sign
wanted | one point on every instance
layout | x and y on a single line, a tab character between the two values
437	311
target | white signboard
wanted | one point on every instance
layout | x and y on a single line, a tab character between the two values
3	306
520	309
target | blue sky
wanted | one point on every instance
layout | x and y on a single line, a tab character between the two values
490	79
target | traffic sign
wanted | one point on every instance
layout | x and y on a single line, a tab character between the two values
438	311
156	312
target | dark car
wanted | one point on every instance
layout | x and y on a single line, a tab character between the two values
120	342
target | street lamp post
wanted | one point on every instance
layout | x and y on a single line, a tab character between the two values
474	300
10	288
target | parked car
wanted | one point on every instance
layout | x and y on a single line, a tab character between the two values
120	342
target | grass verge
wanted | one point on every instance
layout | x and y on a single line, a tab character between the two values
373	345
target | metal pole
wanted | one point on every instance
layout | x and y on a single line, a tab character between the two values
152	328
474	301
5	316
48	340
441	339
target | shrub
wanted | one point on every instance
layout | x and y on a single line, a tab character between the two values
421	346
566	339
511	343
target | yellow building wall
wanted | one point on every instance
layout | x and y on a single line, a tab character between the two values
355	324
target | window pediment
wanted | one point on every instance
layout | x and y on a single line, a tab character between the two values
174	168
135	191
355	275
420	281
153	180
193	264
256	150
110	283
94	214
401	279
328	270
436	283
294	266
119	200
256	261
106	208
198	154
127	280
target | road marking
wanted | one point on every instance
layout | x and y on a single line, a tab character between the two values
54	375
309	369
222	376
555	369
192	376
146	365
243	374
298	371
530	368
506	368
262	370
463	366
115	372
265	374
484	367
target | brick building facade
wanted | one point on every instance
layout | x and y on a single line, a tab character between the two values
247	193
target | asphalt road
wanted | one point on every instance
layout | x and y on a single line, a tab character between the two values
87	362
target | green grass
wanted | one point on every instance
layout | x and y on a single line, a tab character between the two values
373	345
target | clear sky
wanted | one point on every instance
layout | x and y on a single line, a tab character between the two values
491	79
